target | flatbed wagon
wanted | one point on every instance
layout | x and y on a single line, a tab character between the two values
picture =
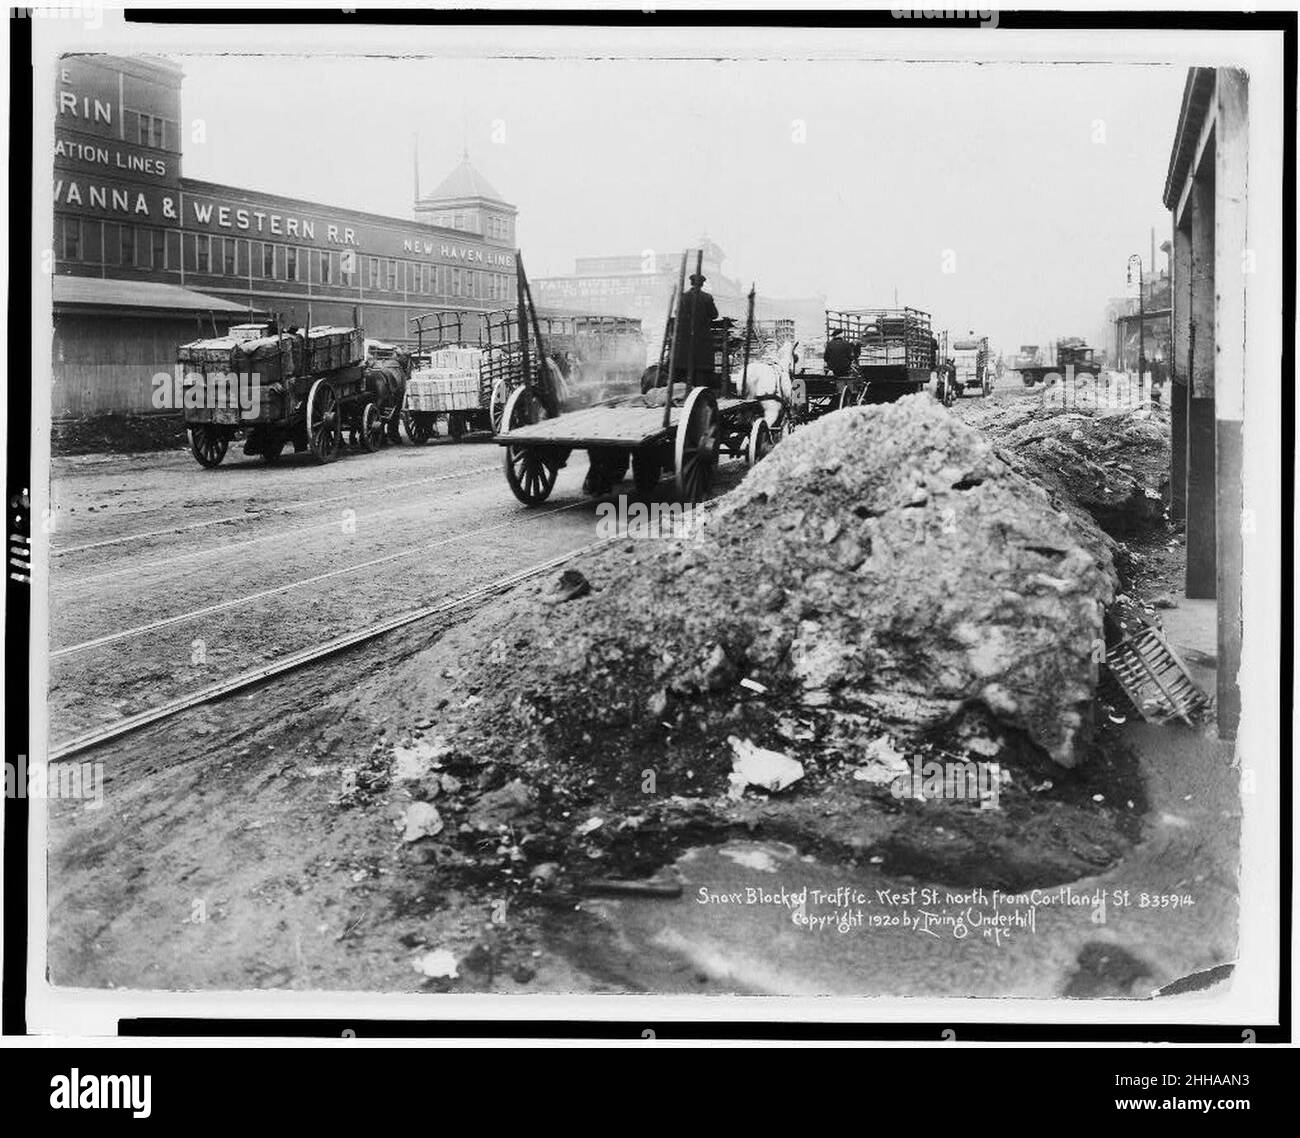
652	433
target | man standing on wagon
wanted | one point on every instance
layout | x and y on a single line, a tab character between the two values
698	312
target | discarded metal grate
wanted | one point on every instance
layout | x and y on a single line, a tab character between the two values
1155	679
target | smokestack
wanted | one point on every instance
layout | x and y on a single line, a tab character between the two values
415	155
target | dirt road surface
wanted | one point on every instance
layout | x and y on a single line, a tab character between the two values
255	842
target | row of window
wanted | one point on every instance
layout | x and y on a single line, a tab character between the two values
148	247
108	243
497	227
145	129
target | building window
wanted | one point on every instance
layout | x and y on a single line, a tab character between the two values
202	254
268	261
71	239
158	248
229	263
326	267
391	278
372	272
469	282
291	262
128	246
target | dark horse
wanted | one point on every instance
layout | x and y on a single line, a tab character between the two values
386	381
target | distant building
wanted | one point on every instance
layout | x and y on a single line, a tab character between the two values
146	259
642	285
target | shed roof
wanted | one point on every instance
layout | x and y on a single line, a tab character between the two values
98	292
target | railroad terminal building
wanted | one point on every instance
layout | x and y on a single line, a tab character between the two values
146	259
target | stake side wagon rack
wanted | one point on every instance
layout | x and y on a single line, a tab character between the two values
894	354
687	438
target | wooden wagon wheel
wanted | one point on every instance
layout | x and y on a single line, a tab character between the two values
497	404
760	442
208	445
528	470
419	426
696	448
372	428
323	430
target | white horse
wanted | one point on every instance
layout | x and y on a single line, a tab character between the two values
771	374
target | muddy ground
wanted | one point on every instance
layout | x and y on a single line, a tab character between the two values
269	841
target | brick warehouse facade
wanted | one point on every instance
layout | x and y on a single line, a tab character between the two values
146	259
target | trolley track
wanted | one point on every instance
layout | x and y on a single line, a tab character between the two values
264	594
307	656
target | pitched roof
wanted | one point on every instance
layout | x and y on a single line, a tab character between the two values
464	182
98	292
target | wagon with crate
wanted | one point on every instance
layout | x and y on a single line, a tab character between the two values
277	388
464	378
682	428
598	356
894	355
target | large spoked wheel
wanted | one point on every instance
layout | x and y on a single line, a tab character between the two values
529	469
324	434
497	405
646	469
419	427
372	429
208	444
696	448
760	442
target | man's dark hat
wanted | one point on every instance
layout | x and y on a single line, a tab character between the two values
698	278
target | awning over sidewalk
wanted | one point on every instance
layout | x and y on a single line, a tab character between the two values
144	298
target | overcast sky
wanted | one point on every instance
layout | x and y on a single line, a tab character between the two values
1033	182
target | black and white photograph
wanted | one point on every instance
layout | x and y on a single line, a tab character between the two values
775	520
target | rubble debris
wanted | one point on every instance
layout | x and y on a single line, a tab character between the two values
757	766
414	761
421	820
437	965
1112	463
569	586
501	806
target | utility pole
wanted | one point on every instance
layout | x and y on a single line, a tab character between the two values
1142	355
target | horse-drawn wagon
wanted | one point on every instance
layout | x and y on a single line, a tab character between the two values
893	354
276	388
683	426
